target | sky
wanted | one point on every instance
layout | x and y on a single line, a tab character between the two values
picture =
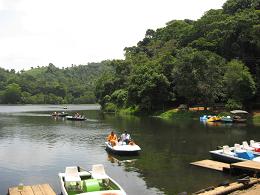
65	32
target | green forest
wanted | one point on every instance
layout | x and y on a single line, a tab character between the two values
50	85
213	60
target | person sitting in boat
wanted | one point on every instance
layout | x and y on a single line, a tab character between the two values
77	115
54	114
125	137
112	138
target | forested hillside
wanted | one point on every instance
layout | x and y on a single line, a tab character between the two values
212	60
50	84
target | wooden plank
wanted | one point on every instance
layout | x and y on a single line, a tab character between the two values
46	189
211	164
27	190
230	188
37	190
247	165
13	191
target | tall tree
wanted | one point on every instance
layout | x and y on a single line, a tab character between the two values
198	76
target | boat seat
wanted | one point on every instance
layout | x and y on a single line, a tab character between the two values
226	150
98	172
246	146
254	144
238	148
72	174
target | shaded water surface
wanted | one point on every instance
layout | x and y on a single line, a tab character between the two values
35	147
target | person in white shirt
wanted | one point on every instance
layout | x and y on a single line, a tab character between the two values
125	137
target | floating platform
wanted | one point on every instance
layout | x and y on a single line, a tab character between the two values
247	165
211	164
39	189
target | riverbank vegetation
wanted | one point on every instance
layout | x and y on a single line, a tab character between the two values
256	118
214	60
50	85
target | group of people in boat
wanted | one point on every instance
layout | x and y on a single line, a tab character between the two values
77	115
124	138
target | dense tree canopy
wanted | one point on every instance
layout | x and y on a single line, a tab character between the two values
50	84
212	60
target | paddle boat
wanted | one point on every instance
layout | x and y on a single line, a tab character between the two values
76	118
234	154
214	119
226	119
205	117
239	116
121	148
77	181
254	146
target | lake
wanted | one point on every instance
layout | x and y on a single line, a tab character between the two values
35	147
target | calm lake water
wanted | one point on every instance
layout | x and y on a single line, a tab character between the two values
35	147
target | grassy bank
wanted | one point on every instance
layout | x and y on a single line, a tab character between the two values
112	108
256	118
179	114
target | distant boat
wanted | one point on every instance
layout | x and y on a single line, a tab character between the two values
239	116
204	118
76	118
123	149
77	181
238	119
213	119
226	119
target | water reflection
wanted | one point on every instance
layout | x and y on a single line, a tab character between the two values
34	147
221	124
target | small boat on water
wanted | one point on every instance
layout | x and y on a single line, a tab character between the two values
76	118
77	181
60	114
205	117
226	119
214	119
239	116
123	149
232	155
238	119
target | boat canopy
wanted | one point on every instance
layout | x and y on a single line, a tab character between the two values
239	112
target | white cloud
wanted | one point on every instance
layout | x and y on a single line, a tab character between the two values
65	32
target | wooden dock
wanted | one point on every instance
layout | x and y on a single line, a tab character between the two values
211	164
247	165
39	189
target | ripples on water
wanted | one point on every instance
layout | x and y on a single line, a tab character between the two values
35	147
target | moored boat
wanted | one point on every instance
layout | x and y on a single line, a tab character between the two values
226	119
214	119
239	116
76	181
232	155
204	117
123	149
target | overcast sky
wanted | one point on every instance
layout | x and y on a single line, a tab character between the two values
65	32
